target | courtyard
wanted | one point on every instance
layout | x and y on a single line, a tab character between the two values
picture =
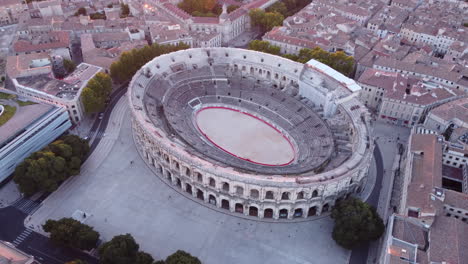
122	195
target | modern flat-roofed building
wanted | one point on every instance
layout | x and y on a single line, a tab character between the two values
64	93
30	128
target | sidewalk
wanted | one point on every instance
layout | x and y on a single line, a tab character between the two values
50	204
8	194
84	127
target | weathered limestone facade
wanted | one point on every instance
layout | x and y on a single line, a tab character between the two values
239	191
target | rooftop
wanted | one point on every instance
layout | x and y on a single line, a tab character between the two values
23	117
66	88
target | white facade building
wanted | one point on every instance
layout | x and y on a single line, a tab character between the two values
63	93
29	130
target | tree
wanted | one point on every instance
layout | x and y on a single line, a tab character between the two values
69	65
356	222
72	233
131	61
81	11
143	258
264	46
125	10
265	20
46	169
96	93
256	16
182	257
278	7
121	249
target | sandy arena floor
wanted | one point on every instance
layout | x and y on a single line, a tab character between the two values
245	136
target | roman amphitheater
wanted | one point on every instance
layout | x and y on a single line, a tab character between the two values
252	133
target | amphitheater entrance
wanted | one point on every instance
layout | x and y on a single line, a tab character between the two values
245	136
253	211
283	213
225	204
298	213
200	194
312	211
268	213
188	188
212	199
239	208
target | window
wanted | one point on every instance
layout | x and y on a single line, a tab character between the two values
269	195
254	193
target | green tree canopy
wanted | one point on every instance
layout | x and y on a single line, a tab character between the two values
96	93
336	60
46	169
182	257
72	233
81	11
265	20
130	62
69	65
123	249
356	222
125	10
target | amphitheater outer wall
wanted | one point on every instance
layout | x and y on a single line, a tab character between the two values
264	196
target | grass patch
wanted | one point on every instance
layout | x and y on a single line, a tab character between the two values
21	103
8	113
6	96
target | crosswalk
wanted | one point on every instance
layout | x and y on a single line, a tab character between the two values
21	237
26	205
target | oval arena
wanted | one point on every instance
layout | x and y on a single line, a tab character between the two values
251	133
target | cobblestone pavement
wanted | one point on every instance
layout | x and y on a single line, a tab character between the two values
126	197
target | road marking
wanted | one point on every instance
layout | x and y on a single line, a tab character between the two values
44	254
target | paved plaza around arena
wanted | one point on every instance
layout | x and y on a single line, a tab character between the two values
245	136
121	195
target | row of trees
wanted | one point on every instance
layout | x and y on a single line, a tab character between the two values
204	8
121	249
46	169
288	7
265	20
336	60
130	62
96	93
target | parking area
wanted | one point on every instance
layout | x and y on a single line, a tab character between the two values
123	196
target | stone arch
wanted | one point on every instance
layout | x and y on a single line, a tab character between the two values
239	208
300	195
285	196
212	199
253	211
225	204
178	183
268	213
312	211
325	208
188	188
254	193
225	187
199	177
283	213
314	193
269	195
200	194
212	182
298	213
